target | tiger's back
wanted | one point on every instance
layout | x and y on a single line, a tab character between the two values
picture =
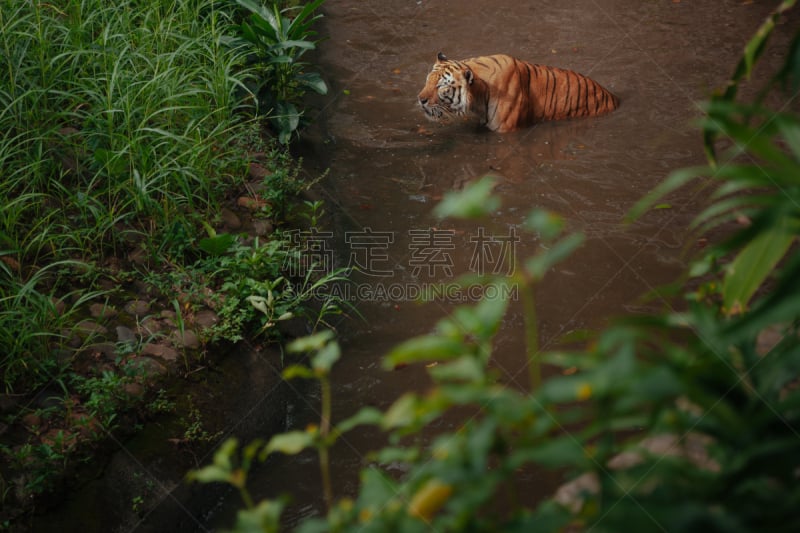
507	93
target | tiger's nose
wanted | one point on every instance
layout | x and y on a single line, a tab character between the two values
423	100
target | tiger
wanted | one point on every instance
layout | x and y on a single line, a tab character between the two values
508	94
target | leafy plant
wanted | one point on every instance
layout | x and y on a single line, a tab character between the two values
277	39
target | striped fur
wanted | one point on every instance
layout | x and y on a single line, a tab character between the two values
507	94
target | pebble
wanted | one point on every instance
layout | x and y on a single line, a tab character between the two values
160	350
98	310
89	326
125	334
187	339
137	307
230	220
262	227
206	318
150	366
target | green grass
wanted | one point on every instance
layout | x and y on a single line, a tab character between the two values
120	128
114	114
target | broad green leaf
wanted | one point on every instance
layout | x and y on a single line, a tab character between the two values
365	416
297	371
303	20
547	224
279	60
476	200
538	265
255	7
290	443
376	489
294	44
402	413
217	245
790	126
466	369
310	343
325	358
674	181
210	474
313	81
221	469
425	348
263	518
752	267
563	451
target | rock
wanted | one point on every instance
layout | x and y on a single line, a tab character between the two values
150	366
125	334
250	203
89	327
134	390
258	172
160	350
230	220
87	426
32	421
60	440
98	310
206	318
186	339
150	327
138	256
137	307
262	227
107	349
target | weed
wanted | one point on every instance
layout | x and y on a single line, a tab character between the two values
275	43
195	431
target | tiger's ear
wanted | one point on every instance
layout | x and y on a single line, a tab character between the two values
469	76
441	57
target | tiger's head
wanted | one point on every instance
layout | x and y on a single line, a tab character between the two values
446	92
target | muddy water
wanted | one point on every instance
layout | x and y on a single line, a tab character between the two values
388	167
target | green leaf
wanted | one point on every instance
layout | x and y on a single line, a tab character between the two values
221	468
425	348
325	358
376	489
286	119
255	7
313	81
217	245
210	474
307	45
538	265
547	224
263	518
310	343
290	443
297	371
752	267
563	451
476	200
365	416
674	181
466	369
